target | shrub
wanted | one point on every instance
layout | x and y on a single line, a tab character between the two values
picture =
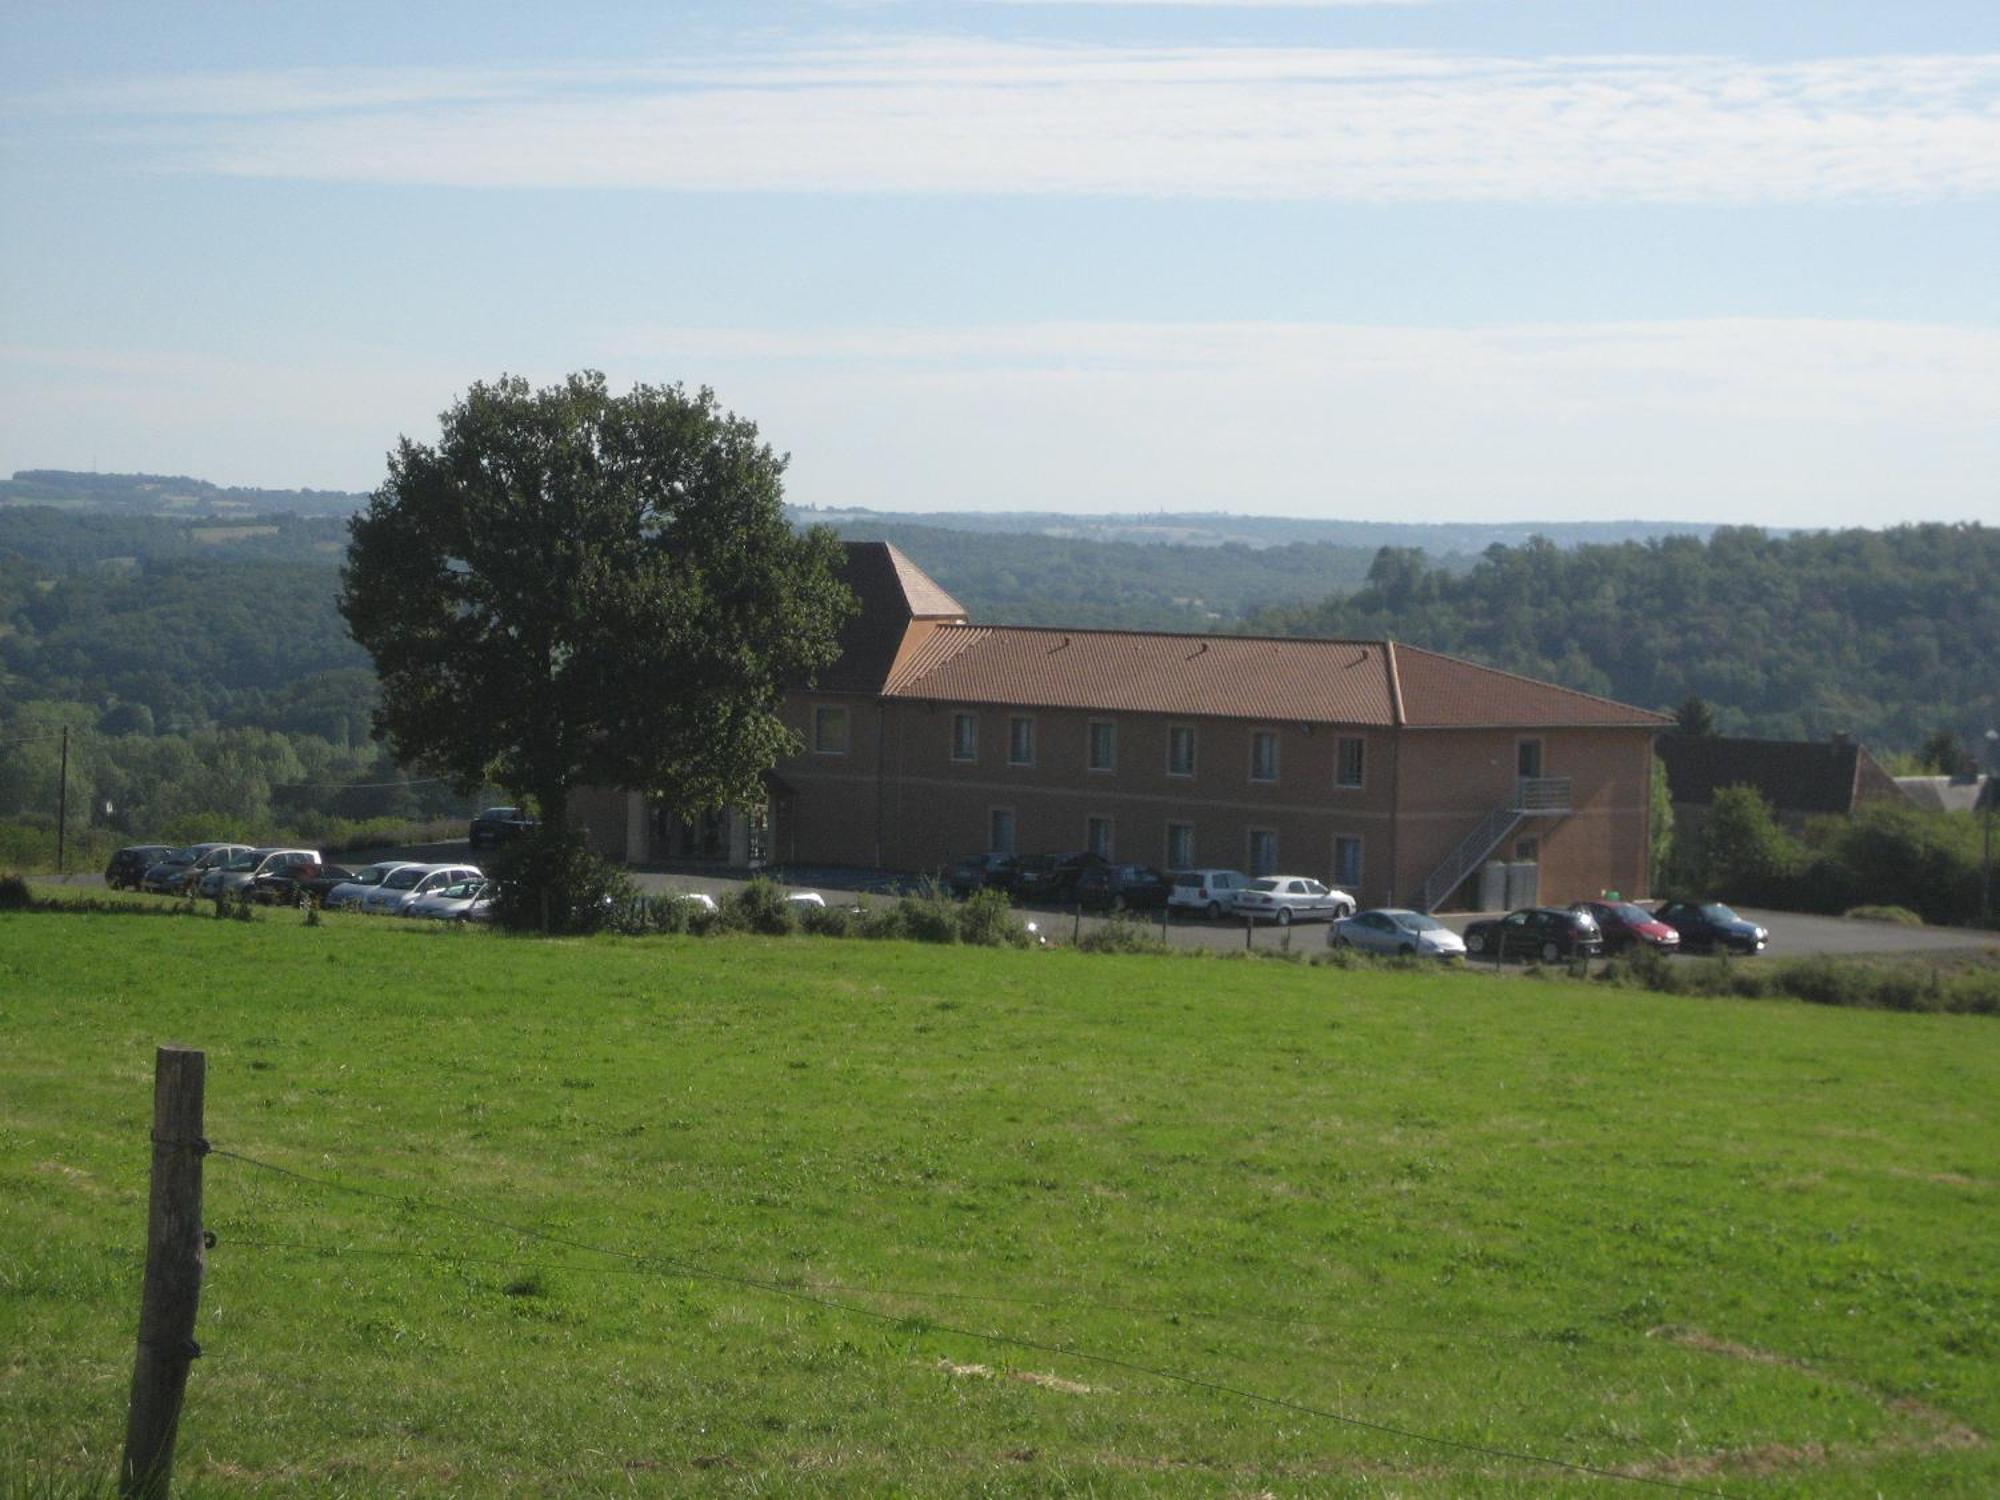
1122	934
929	918
1902	916
760	906
829	921
986	920
14	894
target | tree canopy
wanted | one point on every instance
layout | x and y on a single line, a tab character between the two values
574	588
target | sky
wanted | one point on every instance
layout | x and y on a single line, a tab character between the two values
1693	260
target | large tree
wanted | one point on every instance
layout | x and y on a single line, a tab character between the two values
578	589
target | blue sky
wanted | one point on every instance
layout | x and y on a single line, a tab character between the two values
1428	259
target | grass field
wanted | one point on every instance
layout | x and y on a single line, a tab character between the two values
1748	1247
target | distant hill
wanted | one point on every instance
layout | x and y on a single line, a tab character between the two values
171	495
1439	539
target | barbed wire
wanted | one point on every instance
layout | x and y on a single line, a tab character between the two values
693	1271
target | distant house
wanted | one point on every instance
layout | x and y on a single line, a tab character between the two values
1799	778
1397	773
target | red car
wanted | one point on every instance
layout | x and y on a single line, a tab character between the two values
1626	925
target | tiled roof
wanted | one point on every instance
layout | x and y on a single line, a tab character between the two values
1285	680
1323	682
1449	692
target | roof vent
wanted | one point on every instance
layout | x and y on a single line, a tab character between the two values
1063	647
1200	650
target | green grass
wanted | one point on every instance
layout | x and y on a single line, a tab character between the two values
1748	1246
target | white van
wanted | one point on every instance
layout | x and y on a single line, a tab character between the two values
1212	893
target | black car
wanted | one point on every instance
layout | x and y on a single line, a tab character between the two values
1543	932
1708	925
496	825
1052	877
1121	887
129	865
293	884
979	872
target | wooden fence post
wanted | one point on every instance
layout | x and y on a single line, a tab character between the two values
174	1265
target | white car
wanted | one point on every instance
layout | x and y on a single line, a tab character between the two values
350	892
402	886
1209	892
1286	899
447	903
1394	930
806	898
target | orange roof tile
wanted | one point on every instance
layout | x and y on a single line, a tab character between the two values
1449	692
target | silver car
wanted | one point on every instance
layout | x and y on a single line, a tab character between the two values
403	886
1393	930
1286	899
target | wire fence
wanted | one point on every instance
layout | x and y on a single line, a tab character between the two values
617	1259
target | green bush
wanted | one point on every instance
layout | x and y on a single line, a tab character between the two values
1122	934
760	906
931	917
1901	916
828	921
987	920
14	894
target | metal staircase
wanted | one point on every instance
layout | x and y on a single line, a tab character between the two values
1534	797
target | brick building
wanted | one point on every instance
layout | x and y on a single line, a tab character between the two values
1400	774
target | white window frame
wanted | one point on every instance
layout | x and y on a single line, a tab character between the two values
1258	737
1193	751
1110	825
1015	723
1110	727
965	718
1340	744
823	714
1180	864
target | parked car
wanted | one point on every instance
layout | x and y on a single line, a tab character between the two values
447	903
1121	887
129	865
1052	877
1286	899
1708	925
1210	892
164	874
349	893
400	887
806	898
296	884
979	872
1626	924
236	874
1546	932
1392	929
180	877
497	825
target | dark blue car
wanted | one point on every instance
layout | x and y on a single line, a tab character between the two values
1708	925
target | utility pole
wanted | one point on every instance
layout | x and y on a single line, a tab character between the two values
62	802
1986	794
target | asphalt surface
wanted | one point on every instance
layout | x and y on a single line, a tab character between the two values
1792	933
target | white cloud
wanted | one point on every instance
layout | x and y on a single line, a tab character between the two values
928	116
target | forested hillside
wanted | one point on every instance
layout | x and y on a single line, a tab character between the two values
1885	635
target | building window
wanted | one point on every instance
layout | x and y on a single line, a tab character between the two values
1346	861
1528	759
1264	755
1528	850
1000	830
1263	852
1097	837
965	736
1180	846
830	731
1351	761
1020	741
1103	745
1180	750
